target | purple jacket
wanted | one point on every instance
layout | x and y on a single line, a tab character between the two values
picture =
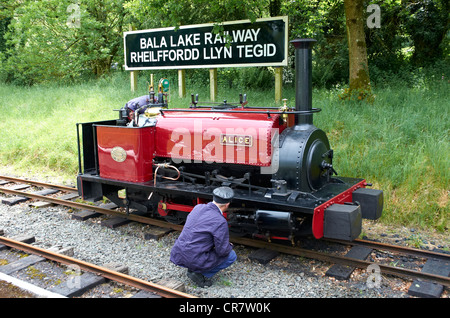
204	242
137	102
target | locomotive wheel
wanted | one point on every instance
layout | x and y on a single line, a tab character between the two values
176	217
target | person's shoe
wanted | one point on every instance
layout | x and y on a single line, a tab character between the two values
208	281
199	279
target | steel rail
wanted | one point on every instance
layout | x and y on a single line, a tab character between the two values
397	249
81	206
41	184
273	246
385	269
107	273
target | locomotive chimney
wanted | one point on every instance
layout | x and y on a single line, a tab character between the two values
303	82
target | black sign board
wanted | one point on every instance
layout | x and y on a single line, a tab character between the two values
242	43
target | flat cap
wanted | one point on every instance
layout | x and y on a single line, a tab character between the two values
223	195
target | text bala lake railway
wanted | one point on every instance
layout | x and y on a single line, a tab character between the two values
241	43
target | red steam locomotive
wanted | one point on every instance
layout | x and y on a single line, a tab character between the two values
278	163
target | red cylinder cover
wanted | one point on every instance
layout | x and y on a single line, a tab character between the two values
222	137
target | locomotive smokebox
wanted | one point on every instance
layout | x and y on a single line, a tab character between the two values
305	156
303	81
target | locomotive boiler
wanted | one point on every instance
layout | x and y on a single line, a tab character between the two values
163	161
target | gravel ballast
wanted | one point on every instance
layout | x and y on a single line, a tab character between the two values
286	276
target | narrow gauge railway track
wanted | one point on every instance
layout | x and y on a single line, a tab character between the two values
38	183
112	275
79	205
286	249
363	264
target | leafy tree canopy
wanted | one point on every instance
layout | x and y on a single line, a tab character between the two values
71	39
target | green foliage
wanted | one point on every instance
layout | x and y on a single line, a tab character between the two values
39	131
59	40
400	143
40	41
325	22
412	34
358	94
249	77
427	23
174	13
384	44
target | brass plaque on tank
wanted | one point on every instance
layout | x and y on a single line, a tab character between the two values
118	154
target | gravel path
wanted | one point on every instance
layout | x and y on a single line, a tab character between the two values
285	276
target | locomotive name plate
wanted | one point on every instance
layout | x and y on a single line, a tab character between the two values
236	140
118	154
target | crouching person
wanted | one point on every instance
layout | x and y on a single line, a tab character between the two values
203	246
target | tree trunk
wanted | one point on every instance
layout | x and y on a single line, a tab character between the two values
275	8
359	68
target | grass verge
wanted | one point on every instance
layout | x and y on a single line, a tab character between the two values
400	143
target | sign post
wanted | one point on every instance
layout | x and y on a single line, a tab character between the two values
240	44
133	74
213	84
278	83
181	83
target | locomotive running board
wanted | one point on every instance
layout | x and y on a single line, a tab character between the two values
332	193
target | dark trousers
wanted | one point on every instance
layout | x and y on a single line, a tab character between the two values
230	260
